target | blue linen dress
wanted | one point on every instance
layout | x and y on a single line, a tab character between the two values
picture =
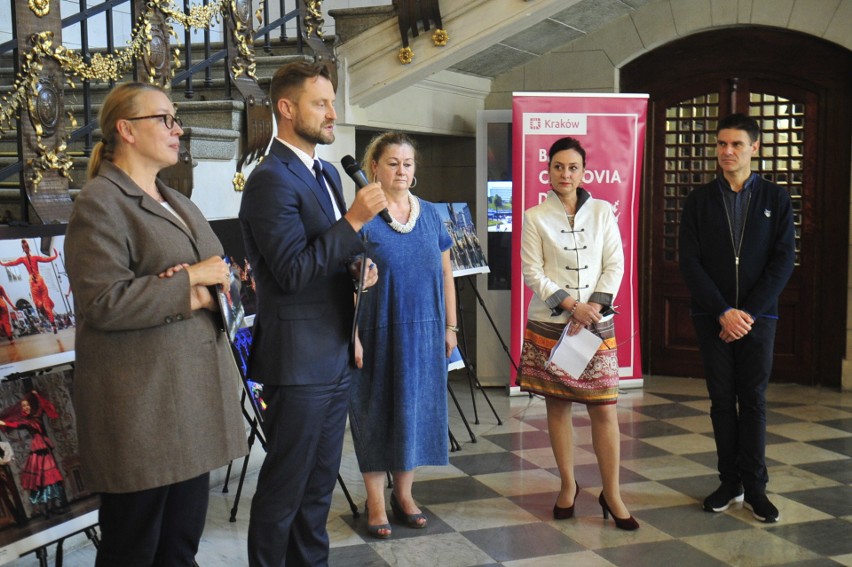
398	404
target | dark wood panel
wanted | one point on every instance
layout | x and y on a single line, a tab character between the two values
807	71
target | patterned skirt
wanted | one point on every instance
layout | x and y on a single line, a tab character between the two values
597	385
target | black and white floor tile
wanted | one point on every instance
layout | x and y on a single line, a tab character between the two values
492	505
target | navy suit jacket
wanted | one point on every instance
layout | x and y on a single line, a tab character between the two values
299	256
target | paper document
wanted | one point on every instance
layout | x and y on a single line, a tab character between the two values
573	353
455	360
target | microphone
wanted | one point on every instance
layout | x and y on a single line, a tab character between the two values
350	166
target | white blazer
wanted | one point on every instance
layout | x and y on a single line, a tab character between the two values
582	261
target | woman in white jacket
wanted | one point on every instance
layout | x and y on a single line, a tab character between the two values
573	262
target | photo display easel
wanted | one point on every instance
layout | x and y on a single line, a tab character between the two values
467	260
38	435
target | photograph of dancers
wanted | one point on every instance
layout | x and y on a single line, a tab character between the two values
5	318
36	302
38	289
40	474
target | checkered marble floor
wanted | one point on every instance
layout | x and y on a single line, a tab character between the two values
492	505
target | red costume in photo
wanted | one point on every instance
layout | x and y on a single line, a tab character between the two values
40	475
38	289
5	319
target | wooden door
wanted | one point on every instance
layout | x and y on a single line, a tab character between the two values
801	103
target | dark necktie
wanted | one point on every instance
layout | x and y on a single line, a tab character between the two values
318	173
322	184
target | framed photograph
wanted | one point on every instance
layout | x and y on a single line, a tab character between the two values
230	302
231	237
43	495
466	253
36	302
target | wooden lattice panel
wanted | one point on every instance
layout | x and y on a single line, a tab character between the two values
782	148
690	159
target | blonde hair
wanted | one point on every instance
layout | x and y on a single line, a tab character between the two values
377	147
121	102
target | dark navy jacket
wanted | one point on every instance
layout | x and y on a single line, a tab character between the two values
708	261
298	253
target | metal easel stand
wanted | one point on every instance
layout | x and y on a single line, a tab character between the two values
255	421
41	552
473	381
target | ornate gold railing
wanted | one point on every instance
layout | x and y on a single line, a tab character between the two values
34	110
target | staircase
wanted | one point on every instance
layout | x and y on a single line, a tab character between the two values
209	105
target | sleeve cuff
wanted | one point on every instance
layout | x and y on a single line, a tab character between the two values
604	299
556	299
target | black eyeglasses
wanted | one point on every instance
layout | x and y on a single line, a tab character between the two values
168	119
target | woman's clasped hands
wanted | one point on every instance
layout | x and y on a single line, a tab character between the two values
583	315
212	271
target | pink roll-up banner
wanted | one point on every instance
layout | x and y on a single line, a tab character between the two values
611	128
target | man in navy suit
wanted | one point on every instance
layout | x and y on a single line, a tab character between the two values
301	242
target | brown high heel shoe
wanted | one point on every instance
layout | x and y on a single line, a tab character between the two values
565	513
628	523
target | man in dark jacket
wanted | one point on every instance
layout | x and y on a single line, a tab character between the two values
736	254
300	240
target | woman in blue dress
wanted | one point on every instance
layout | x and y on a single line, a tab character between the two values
398	408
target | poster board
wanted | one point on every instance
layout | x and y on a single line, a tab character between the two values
466	253
36	303
39	433
611	128
37	328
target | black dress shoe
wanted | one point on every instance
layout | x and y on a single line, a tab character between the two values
628	523
560	513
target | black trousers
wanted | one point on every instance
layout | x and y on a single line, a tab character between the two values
737	374
159	527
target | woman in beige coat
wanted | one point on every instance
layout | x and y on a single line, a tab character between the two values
155	384
573	262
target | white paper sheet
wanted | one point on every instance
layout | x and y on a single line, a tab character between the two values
573	353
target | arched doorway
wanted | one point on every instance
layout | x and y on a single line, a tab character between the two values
798	87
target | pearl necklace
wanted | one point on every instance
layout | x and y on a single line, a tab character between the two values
414	203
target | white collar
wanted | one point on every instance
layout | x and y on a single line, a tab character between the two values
303	157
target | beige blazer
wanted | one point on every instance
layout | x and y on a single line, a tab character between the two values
585	260
155	384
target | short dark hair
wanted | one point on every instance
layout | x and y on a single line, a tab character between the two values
563	144
740	121
289	79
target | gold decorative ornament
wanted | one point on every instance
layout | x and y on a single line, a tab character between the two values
146	41
107	67
405	55
43	106
239	181
55	159
40	8
440	38
245	62
313	18
412	14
